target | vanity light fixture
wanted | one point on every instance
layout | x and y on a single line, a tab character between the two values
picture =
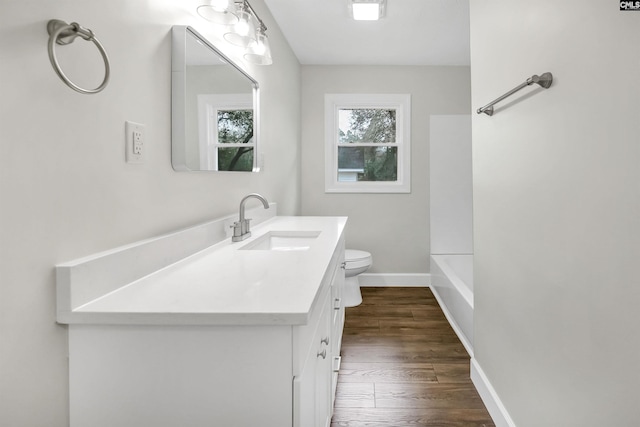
219	11
259	52
367	10
246	29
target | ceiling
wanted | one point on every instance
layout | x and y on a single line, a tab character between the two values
414	32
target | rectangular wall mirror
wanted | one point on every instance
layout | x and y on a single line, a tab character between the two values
214	108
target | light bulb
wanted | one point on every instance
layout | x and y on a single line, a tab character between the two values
242	27
242	33
259	52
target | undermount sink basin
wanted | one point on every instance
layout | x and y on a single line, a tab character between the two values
283	241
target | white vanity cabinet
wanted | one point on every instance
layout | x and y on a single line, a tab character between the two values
129	373
314	389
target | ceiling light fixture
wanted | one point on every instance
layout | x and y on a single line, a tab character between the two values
247	29
367	10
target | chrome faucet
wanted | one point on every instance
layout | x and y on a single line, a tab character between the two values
241	229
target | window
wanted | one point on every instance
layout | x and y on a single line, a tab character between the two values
226	124
367	143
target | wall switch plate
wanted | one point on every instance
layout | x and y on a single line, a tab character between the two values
134	142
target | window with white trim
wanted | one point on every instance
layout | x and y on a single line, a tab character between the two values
367	143
226	124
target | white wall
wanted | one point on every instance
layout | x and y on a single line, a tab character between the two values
393	227
450	185
65	190
557	210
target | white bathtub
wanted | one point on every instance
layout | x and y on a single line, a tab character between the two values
452	284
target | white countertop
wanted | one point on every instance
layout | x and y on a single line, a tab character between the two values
222	285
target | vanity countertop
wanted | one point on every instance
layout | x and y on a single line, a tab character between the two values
223	285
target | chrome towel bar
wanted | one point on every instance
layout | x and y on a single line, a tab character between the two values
62	33
544	80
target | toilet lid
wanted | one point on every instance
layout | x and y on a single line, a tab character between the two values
354	255
356	259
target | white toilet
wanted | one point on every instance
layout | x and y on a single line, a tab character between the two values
356	262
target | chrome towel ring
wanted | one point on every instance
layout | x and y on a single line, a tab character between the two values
62	33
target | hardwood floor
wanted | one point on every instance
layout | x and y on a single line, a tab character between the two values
402	365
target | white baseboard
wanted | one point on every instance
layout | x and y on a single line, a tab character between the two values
454	325
489	396
395	280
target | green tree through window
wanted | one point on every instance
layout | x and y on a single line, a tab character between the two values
235	127
368	131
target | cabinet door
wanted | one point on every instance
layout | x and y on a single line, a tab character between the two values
324	373
337	325
312	388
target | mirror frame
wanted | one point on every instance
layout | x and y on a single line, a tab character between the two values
179	36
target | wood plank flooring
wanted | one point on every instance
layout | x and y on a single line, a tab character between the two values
402	365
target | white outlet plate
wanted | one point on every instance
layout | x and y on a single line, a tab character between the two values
135	142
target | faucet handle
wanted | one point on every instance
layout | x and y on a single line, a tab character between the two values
237	229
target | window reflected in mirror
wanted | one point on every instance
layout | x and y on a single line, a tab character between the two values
214	108
235	140
226	132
